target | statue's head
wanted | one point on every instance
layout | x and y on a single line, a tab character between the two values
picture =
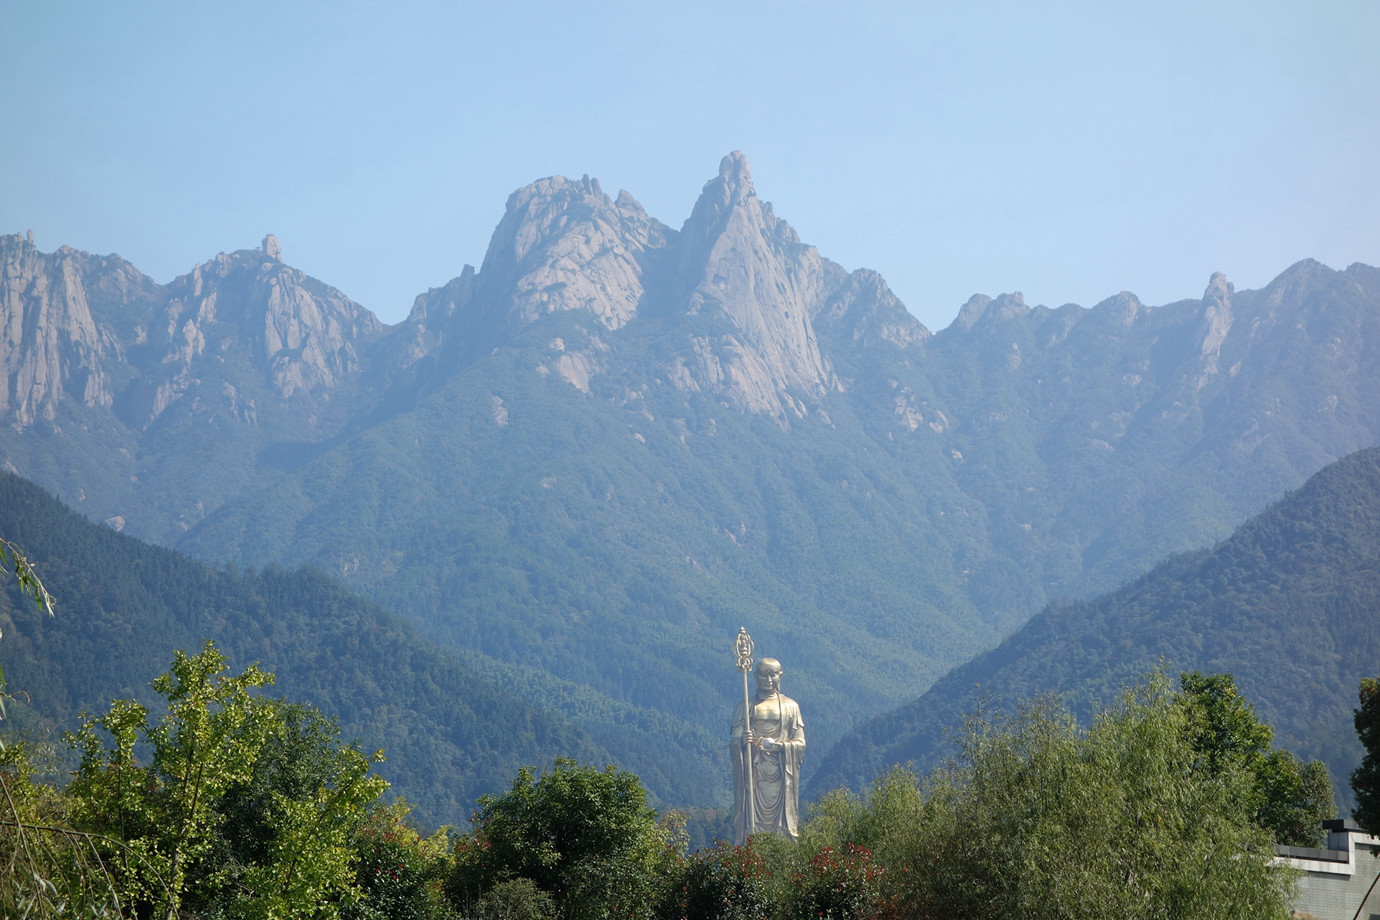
768	673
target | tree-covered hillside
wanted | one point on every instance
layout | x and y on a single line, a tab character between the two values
1289	604
123	607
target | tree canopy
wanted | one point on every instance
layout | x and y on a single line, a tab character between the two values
246	806
1365	780
1284	795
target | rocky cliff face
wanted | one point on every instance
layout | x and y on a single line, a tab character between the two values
54	346
95	330
741	311
742	261
866	312
303	334
564	246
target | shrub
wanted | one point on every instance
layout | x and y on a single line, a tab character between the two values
723	882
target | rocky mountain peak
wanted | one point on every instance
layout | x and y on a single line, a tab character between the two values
1122	310
565	245
981	308
52	343
739	260
305	335
1294	281
732	187
866	311
1217	315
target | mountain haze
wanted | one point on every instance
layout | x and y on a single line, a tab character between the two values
599	454
1289	604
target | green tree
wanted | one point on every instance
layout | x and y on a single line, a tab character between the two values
584	836
722	882
1284	795
206	744
247	805
291	827
46	867
1039	819
399	872
1365	779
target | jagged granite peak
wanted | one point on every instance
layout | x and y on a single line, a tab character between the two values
1293	283
52	346
981	308
1217	317
565	245
304	335
272	248
720	195
739	259
437	317
1121	310
867	311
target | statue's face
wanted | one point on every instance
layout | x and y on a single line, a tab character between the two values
768	681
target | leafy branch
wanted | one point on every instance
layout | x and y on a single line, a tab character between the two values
12	557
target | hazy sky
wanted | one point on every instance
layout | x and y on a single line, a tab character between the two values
1065	150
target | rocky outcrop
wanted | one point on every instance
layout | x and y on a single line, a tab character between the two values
744	262
565	245
52	345
1216	323
867	313
303	334
442	316
1122	310
983	309
94	330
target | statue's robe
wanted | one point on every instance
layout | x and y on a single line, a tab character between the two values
775	774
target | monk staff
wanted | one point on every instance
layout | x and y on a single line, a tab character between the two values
744	650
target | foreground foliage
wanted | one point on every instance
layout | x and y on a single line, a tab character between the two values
234	805
248	807
1036	818
583	837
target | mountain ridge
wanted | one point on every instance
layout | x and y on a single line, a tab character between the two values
615	443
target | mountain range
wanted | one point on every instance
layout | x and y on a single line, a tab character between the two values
585	464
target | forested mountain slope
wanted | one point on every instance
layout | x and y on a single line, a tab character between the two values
123	607
1289	604
615	442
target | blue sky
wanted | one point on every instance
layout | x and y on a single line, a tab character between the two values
1065	150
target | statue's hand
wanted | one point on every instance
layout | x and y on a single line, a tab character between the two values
748	738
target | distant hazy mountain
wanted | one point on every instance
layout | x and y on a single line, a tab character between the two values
1290	604
616	442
